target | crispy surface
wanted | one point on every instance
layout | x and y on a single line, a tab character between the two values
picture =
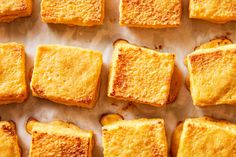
212	75
206	137
12	73
67	75
218	11
211	44
140	75
73	12
60	139
8	140
12	9
142	137
150	13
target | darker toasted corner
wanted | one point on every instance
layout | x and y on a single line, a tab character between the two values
120	41
37	90
9	129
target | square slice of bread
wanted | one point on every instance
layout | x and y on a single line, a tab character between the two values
59	138
212	74
139	74
12	9
76	12
150	13
217	11
13	87
67	75
9	146
204	137
141	137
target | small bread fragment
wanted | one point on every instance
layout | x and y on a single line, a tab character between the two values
13	87
67	75
140	75
204	137
217	11
141	137
12	9
110	118
9	146
212	73
76	12
59	138
150	13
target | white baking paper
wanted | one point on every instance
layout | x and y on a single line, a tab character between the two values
181	41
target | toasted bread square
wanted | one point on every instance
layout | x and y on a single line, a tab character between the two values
59	138
12	73
141	137
139	74
9	146
150	13
217	11
76	12
212	75
67	75
205	137
12	9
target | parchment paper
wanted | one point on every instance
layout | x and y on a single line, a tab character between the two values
32	32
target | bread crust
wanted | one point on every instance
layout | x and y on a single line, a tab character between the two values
197	138
13	9
150	13
73	12
206	68
12	73
8	139
140	75
212	10
58	138
71	78
130	138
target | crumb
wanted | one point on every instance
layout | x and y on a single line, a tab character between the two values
158	47
128	105
114	104
228	33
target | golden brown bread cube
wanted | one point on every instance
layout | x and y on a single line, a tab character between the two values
13	87
204	137
141	75
150	13
12	9
73	12
67	75
9	146
221	41
60	139
212	75
217	11
134	138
